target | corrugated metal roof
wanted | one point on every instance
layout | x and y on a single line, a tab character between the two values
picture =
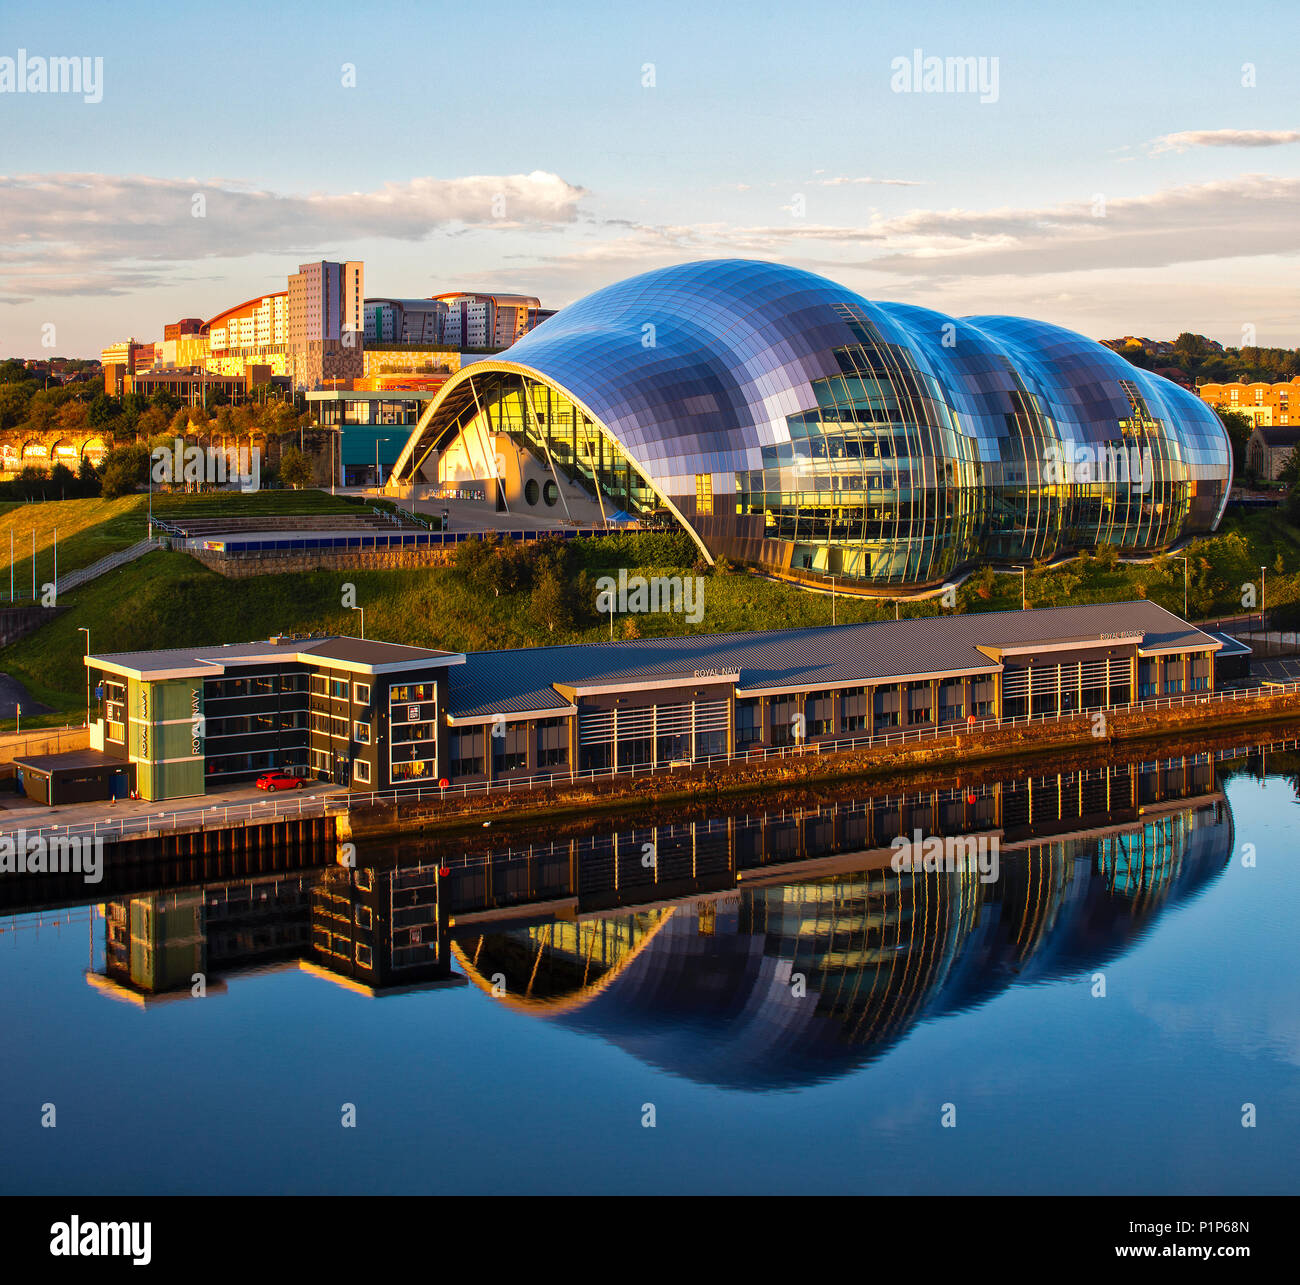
828	657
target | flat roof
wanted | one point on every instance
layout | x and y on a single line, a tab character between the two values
375	395
819	658
358	654
71	761
1232	646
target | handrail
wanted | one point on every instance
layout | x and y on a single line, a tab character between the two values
343	800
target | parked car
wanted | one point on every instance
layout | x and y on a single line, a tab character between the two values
278	780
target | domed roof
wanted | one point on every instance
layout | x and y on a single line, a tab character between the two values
878	441
701	363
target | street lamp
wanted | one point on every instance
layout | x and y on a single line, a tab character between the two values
362	610
1184	562
1263	623
832	599
379	477
1024	605
83	630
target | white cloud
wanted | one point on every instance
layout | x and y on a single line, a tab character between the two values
1189	138
842	181
73	233
1250	216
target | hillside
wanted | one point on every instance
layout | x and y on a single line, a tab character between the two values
89	529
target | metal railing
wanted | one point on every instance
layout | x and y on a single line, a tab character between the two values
74	579
829	744
170	820
345	801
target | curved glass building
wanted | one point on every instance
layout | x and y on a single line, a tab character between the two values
787	422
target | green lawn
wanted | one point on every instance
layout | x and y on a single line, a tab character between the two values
90	529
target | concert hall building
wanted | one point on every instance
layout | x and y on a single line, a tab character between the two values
789	424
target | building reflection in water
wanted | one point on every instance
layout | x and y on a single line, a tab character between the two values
380	932
757	951
786	979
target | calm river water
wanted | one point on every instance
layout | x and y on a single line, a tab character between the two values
1089	993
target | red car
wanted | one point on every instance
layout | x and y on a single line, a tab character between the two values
278	780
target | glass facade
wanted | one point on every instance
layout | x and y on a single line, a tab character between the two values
790	423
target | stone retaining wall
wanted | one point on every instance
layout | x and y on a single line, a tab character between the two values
42	740
273	564
18	622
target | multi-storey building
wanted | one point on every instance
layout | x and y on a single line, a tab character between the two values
252	333
185	344
120	361
489	320
1266	404
341	709
326	323
405	321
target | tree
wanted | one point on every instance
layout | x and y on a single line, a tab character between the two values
1239	428
124	468
87	478
74	417
103	409
1289	474
62	481
470	556
551	603
15	399
295	468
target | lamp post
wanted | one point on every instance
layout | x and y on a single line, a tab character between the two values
832	600
83	630
1024	604
362	610
379	477
1263	622
1184	562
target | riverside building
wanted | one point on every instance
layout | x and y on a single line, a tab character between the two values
379	716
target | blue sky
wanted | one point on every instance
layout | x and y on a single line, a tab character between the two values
1125	180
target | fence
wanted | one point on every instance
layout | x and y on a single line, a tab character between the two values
824	745
202	816
83	574
271	809
235	547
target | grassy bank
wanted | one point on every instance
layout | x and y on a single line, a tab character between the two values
90	529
